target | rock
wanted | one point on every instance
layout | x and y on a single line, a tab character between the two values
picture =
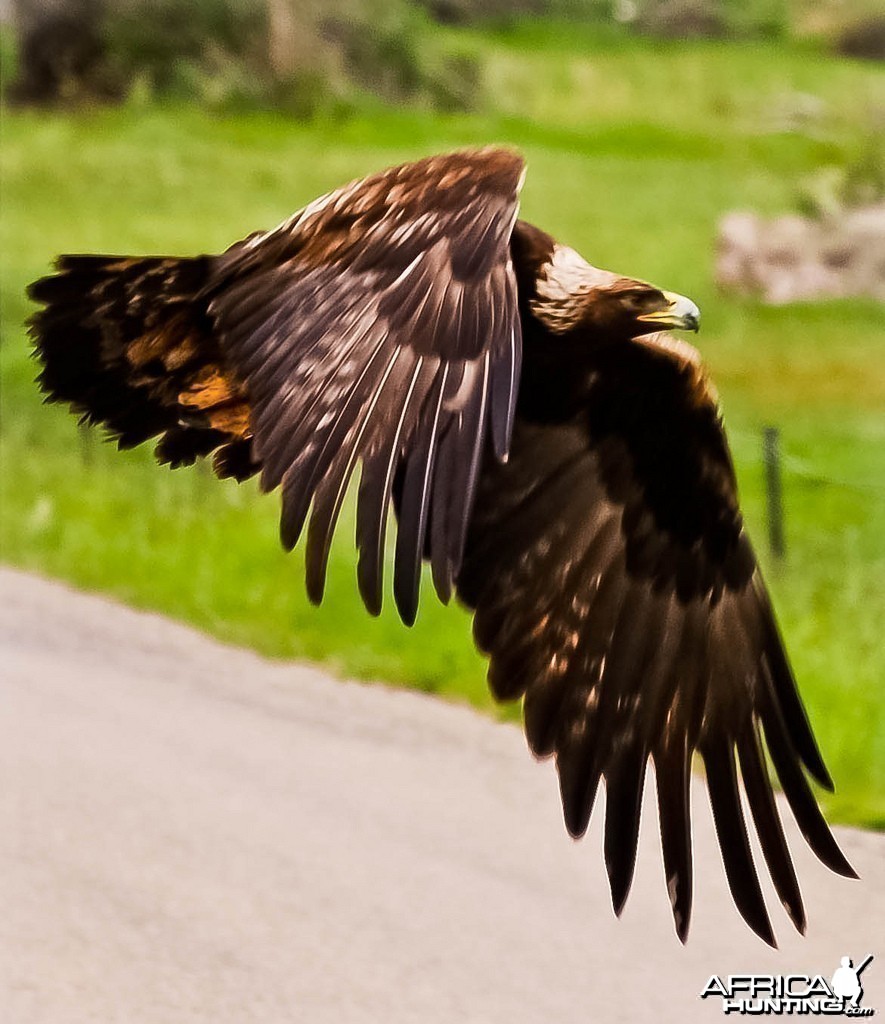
794	259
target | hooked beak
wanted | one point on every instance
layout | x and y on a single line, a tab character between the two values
680	314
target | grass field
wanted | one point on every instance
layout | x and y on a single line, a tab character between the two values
633	155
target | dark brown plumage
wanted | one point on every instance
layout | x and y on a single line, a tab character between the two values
559	463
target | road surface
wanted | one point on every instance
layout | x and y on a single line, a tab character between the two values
190	833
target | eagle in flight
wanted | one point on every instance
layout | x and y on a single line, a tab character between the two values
556	458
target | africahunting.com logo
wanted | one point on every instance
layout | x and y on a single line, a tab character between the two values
779	994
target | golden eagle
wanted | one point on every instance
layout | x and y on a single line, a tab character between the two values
559	462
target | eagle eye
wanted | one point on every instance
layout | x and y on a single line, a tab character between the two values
643	300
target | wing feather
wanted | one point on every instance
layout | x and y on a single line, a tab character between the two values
311	456
414	505
330	494
728	817
672	762
768	824
624	782
376	486
459	467
797	791
504	390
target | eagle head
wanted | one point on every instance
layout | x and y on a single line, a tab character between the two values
571	295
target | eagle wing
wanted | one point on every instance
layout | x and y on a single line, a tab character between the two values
380	325
617	593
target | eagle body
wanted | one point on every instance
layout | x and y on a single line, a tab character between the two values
556	457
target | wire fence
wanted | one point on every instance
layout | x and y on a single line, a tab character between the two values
776	463
774	502
793	466
780	466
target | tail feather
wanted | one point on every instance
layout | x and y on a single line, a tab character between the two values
127	343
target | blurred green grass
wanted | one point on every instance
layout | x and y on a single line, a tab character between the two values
634	150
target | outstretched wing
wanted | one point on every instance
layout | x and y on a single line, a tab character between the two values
380	326
617	592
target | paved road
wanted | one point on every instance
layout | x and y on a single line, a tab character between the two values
191	833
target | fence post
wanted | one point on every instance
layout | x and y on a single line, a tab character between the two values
87	443
202	470
774	506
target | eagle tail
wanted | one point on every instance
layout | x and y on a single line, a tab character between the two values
127	343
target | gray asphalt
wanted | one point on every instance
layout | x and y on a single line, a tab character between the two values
189	832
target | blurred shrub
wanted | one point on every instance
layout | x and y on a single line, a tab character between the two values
676	19
683	19
694	19
8	58
864	39
391	49
306	56
857	180
465	12
827	19
865	167
60	53
171	45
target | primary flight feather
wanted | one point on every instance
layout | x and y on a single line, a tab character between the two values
559	462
